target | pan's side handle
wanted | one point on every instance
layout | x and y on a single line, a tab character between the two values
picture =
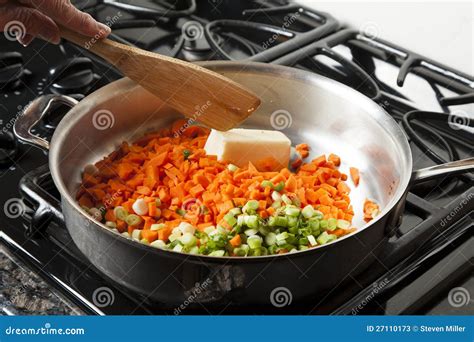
33	114
447	169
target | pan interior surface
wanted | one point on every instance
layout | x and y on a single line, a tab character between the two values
329	116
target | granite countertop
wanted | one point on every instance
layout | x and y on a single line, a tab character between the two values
23	292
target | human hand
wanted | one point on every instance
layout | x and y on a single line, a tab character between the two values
27	19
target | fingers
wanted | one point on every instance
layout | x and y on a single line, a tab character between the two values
64	13
23	22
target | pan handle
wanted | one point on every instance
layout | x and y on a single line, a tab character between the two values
448	169
33	114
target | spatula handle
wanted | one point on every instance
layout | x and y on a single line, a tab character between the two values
105	48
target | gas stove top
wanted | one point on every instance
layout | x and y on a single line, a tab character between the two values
419	93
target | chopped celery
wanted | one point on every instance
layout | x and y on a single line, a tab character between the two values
325	238
276	204
282	236
188	240
235	211
252	204
304	240
267	183
323	224
178	248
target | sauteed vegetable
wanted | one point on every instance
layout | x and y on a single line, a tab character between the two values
163	190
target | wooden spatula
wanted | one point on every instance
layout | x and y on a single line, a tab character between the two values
182	85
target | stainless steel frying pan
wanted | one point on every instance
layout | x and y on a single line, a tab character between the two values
309	108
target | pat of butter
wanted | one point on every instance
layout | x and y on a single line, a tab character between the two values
266	150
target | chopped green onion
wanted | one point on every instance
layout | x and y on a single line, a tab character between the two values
232	167
323	224
174	237
276	204
180	212
178	248
137	234
286	199
276	196
279	187
267	183
270	239
343	224
325	238
292	211
157	226
186	154
282	236
158	244
133	220
235	211
209	230
308	211
188	240
318	214
312	240
304	240
332	224
292	221
145	241
254	241
120	213
218	253
230	219
194	250
250	232
110	224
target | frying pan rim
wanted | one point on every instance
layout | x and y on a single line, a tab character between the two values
70	119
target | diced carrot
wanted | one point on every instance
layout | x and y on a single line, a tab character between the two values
355	175
335	159
150	235
236	241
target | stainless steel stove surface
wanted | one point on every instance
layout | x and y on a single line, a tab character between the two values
435	254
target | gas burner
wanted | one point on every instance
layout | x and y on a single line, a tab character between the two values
72	76
8	148
12	71
163	8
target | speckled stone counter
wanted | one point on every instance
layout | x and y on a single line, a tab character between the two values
23	292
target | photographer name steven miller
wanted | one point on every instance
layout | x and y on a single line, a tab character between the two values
447	328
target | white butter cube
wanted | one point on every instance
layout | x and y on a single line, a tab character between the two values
266	150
